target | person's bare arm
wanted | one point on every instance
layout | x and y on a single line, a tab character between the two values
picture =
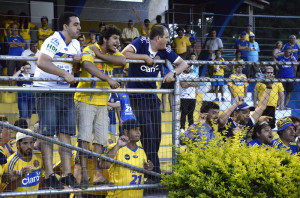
281	100
231	91
115	60
255	96
114	104
129	53
181	65
45	64
92	69
262	105
226	114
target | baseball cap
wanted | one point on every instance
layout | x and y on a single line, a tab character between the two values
244	106
20	135
92	31
243	33
252	35
248	25
130	124
284	123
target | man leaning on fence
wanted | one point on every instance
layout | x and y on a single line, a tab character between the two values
57	110
91	108
146	107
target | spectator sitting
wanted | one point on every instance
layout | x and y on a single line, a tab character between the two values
248	29
262	134
287	71
218	74
25	26
207	124
238	88
44	32
129	33
92	37
30	166
181	44
286	132
127	150
32	52
16	44
25	99
276	95
188	98
253	54
212	44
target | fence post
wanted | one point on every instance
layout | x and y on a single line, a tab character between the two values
175	119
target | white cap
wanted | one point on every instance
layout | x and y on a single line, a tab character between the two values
251	35
20	135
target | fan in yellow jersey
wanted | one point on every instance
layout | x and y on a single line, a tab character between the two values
238	88
5	139
2	161
44	32
238	58
91	108
28	163
25	26
218	73
127	150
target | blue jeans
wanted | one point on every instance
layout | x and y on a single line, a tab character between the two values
146	108
56	113
25	105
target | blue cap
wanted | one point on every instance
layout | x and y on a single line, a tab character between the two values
130	124
244	106
243	33
92	31
284	123
248	25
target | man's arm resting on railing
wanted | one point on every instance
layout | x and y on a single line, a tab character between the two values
115	60
129	53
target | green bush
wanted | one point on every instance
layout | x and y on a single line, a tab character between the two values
233	170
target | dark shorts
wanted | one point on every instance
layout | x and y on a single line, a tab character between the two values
218	83
167	85
288	86
56	113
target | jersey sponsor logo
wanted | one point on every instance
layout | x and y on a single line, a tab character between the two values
151	69
31	179
135	156
51	48
168	49
55	42
127	157
36	163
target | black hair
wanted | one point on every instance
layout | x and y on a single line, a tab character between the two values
26	63
238	51
178	29
130	20
288	48
208	105
157	30
158	19
44	17
23	20
193	53
257	129
294	119
146	21
22	123
107	31
32	42
65	19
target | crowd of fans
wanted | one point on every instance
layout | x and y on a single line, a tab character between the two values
139	115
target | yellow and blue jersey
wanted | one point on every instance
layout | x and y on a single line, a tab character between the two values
124	176
8	149
46	32
2	162
106	68
293	149
238	87
32	180
219	69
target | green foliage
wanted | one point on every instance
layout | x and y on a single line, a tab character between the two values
233	170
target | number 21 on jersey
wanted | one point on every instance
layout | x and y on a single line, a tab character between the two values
136	179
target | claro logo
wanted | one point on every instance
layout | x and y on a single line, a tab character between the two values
149	69
31	179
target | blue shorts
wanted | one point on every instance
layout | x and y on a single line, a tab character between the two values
56	113
218	83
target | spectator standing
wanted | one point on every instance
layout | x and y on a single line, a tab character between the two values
197	70
92	107
158	19
126	150
44	32
276	95
243	45
33	51
146	107
16	45
112	105
25	26
187	98
238	58
25	99
248	29
129	33
237	88
10	19
292	43
286	131
57	110
218	74
181	44
287	71
262	135
193	40
147	25
82	42
28	163
278	50
212	44
92	37
253	54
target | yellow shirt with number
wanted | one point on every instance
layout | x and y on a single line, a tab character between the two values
46	32
125	176
238	87
274	95
218	69
180	44
106	68
25	33
32	180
